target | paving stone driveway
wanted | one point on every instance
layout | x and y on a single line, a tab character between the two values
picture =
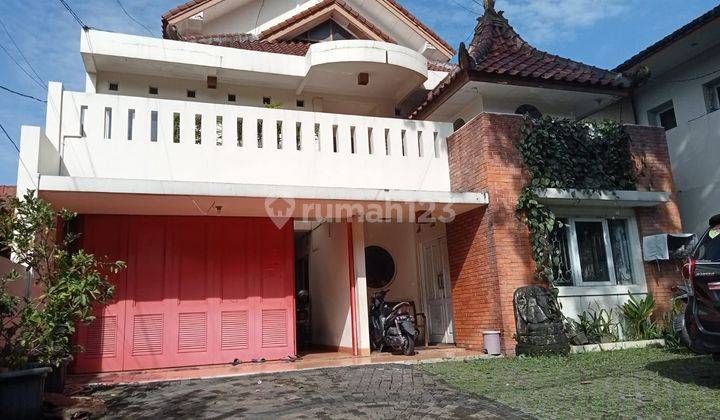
376	391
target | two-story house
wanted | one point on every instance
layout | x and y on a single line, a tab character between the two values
681	95
265	148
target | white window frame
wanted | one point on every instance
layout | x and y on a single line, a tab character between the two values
580	288
712	95
654	114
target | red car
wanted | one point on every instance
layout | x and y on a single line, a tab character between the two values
702	316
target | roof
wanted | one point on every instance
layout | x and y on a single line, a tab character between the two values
320	7
245	42
7	191
192	4
668	40
497	53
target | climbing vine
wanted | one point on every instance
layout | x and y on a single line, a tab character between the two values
588	156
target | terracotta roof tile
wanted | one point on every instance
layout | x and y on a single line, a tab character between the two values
496	49
249	42
7	191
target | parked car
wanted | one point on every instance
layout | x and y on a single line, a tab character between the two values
702	316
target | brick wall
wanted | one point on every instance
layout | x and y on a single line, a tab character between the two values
650	151
489	248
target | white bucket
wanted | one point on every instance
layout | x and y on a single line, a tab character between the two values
491	343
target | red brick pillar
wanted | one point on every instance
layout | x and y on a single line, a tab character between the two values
489	248
650	150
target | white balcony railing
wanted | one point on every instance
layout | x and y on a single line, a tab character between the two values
124	137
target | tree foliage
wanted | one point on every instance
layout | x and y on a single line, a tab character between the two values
588	156
39	330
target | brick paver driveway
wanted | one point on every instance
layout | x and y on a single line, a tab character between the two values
376	391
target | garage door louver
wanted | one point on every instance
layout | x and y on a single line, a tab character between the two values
196	291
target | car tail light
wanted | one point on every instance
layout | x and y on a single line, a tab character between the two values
688	270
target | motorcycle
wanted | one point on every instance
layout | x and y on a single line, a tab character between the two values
394	328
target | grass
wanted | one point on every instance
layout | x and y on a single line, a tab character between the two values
636	383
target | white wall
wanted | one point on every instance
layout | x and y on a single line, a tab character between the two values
693	144
399	240
330	286
316	164
176	89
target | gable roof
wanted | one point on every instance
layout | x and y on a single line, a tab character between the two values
196	6
668	40
498	54
318	11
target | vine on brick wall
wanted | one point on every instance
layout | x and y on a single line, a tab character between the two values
588	156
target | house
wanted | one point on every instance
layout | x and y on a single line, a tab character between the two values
265	148
681	95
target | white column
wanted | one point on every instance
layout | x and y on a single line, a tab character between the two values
28	164
53	116
361	301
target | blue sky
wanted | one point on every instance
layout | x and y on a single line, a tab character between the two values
599	32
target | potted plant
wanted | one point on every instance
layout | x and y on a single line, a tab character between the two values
36	332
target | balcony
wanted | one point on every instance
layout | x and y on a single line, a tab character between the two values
134	145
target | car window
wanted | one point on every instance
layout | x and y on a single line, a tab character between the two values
709	248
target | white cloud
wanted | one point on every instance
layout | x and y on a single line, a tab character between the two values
547	21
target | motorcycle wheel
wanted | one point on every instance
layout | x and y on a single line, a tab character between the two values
409	347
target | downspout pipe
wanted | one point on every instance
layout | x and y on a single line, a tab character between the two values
353	303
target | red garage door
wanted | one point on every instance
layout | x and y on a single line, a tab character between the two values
197	291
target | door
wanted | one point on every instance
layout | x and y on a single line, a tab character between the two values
437	291
196	291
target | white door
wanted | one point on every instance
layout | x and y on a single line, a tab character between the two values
437	291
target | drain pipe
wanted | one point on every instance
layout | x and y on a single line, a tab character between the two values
353	304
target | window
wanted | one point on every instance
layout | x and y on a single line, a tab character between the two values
83	114
663	116
709	248
529	110
327	31
191	94
379	267
267	100
232	98
153	126
130	124
594	252
153	90
712	95
458	124
113	86
300	103
107	131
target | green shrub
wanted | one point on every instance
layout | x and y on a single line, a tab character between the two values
39	330
638	318
598	326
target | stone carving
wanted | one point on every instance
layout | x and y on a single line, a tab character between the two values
539	322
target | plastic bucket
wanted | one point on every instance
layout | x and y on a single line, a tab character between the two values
491	343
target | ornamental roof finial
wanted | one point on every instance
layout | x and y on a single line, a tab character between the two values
489	5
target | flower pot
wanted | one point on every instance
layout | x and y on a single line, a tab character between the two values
21	393
55	381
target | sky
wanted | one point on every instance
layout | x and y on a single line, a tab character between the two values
42	33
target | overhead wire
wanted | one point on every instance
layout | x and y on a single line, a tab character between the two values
133	18
22	94
73	14
21	67
19	50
